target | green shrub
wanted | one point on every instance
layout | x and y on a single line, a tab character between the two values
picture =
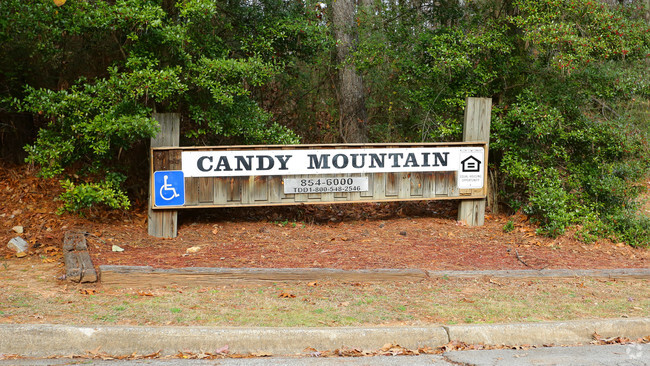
79	197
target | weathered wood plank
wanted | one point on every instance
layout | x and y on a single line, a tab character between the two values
630	273
79	267
416	181
235	189
442	184
260	188
72	266
392	184
148	276
206	190
192	191
220	190
88	273
476	127
275	188
404	185
163	223
73	240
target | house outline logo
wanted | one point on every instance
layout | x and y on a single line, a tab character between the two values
471	164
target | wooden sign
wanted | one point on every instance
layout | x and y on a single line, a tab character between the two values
227	176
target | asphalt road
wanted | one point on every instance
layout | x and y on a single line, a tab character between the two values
608	355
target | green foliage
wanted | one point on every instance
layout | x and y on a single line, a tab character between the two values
129	58
79	197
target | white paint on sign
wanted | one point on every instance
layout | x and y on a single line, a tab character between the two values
468	162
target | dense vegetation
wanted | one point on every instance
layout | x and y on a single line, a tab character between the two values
569	80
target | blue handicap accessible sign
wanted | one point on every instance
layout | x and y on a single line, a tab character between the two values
169	188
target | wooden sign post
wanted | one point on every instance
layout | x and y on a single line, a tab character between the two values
163	224
476	127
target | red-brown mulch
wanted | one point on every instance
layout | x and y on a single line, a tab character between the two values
423	235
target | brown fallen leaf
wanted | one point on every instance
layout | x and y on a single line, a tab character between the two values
87	291
285	295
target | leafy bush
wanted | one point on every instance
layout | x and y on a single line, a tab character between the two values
79	197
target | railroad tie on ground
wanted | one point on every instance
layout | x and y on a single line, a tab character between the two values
78	266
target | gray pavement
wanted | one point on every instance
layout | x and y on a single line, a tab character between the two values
287	345
590	355
42	340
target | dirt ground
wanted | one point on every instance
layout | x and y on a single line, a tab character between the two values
422	235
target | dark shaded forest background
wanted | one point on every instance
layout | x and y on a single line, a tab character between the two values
569	81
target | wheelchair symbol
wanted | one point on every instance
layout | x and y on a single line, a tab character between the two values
167	189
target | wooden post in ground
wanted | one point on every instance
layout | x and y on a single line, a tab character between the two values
476	128
163	223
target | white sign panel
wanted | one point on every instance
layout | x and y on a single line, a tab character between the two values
325	185
472	166
467	161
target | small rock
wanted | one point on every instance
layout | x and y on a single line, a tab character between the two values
381	225
18	244
18	229
403	233
192	249
115	248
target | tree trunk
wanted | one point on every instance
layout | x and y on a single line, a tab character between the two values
352	108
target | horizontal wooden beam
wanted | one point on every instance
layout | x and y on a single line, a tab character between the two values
129	276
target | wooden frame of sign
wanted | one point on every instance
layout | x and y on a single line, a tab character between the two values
240	176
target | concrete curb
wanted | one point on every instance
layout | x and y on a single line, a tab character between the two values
38	340
569	332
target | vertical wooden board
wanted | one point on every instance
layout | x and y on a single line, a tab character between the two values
314	196
206	190
428	184
169	134
404	185
300	197
416	182
453	184
161	160
163	224
175	161
355	196
341	195
371	185
442	188
379	186
191	191
246	189
392	184
234	189
261	188
220	190
275	188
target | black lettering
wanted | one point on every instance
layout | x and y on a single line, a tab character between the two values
199	163
355	163
335	161
440	159
283	159
411	161
395	157
260	162
241	161
376	161
323	161
222	165
425	160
